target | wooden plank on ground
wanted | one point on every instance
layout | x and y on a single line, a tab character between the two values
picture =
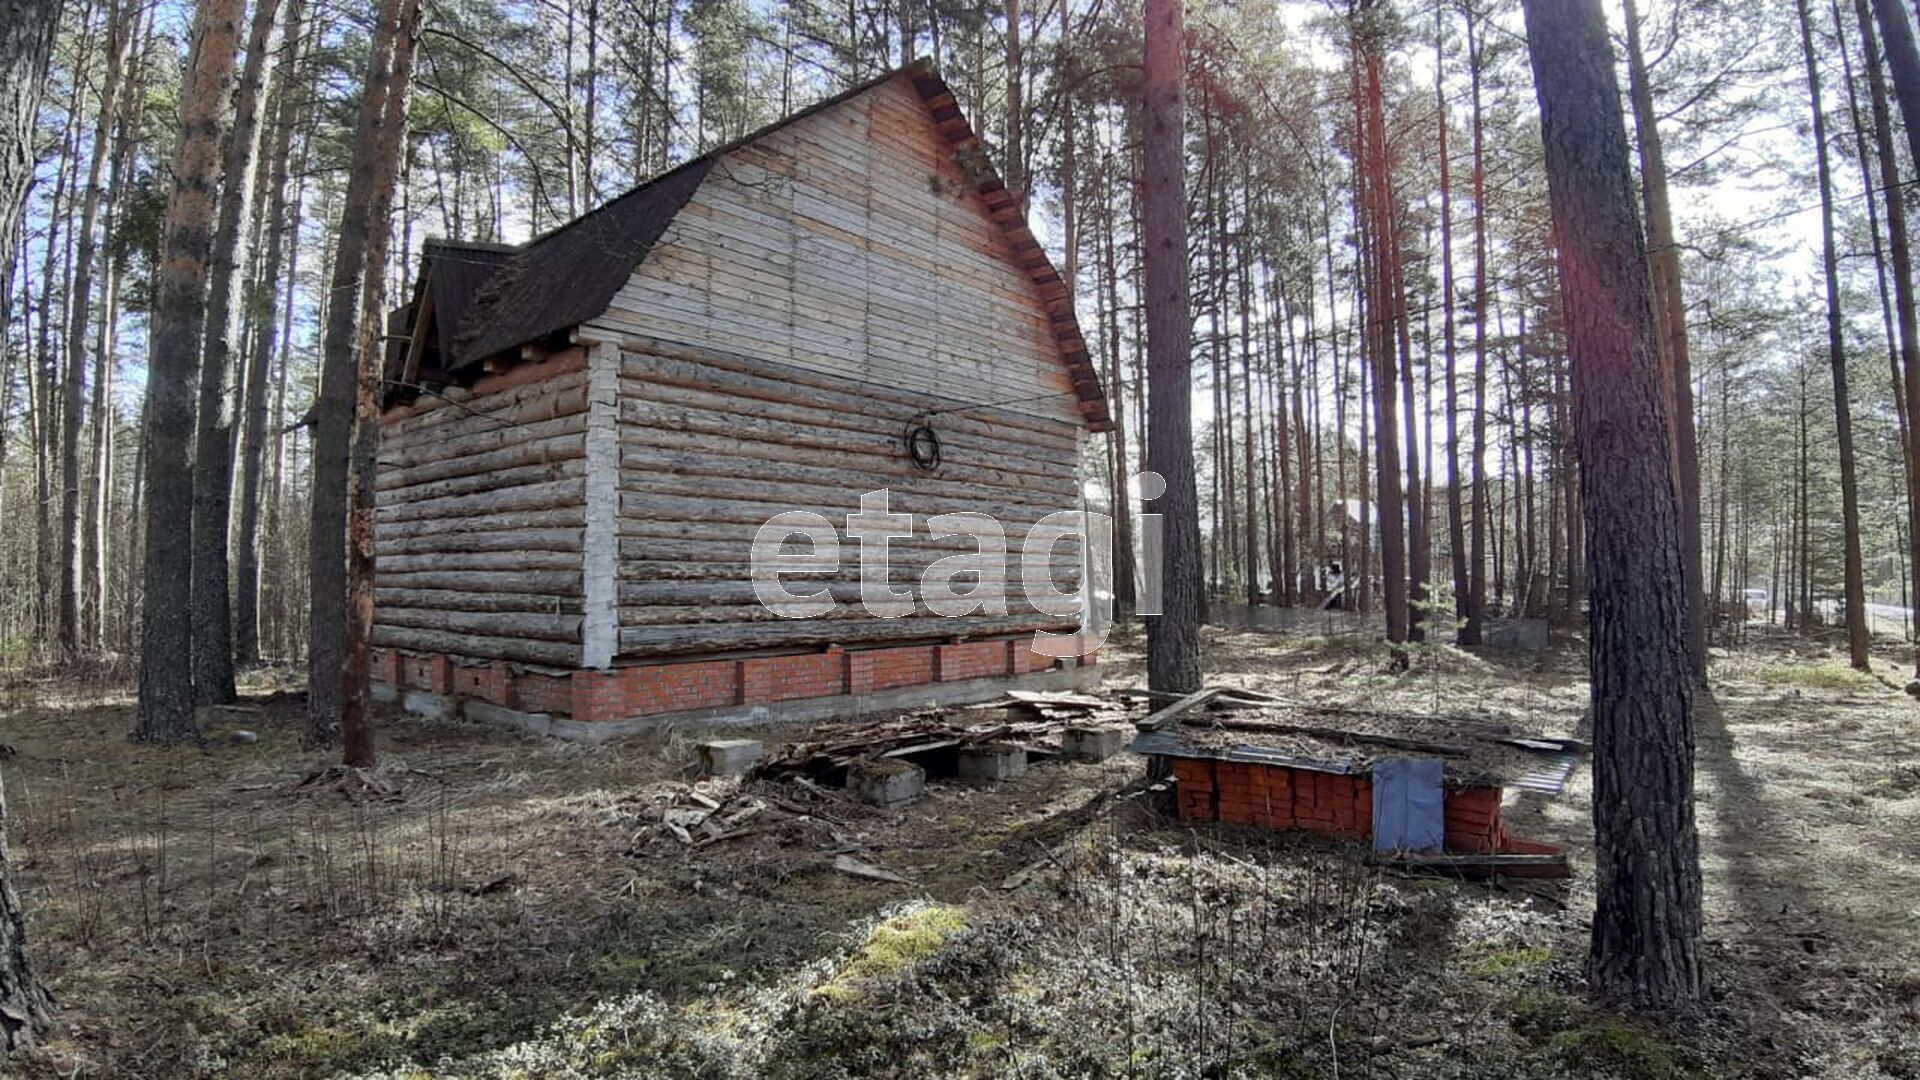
1166	716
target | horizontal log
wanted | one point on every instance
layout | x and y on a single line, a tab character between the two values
480	560
699	614
546	582
718	636
466	485
542	496
914	555
531	625
862	472
477	646
559	395
750	512
558	447
725	494
486	540
876	455
462	600
480	442
1066	573
559	517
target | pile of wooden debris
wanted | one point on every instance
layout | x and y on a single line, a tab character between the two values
716	811
1031	720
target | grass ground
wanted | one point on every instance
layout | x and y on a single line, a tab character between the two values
512	915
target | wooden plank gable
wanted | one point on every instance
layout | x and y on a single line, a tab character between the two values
869	240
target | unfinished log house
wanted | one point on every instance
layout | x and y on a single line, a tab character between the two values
583	435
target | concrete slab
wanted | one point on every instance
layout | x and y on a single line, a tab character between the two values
1083	743
992	761
729	757
886	784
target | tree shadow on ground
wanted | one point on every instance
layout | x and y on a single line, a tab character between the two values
1774	938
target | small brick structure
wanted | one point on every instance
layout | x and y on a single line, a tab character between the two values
1331	804
700	686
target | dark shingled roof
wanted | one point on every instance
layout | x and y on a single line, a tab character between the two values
458	270
570	275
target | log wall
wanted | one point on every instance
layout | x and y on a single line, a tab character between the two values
481	518
714	444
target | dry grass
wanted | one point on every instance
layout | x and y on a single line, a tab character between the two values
199	916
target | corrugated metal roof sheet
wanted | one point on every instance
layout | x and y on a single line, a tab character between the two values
1557	760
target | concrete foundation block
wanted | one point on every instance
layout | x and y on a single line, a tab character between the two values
729	757
1092	743
886	784
992	761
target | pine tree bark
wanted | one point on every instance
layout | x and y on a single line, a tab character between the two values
328	613
1854	584
79	312
1475	614
1173	636
1382	321
1016	155
26	40
213	445
253	446
1646	926
166	639
1124	593
388	154
1456	510
1670	316
1904	61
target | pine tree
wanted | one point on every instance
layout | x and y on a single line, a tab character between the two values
166	645
1173	636
1646	926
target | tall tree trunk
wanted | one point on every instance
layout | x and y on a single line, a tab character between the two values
336	677
334	407
1016	159
43	420
1173	636
1646	924
26	40
1902	56
1670	317
1903	59
79	309
166	668
1456	511
1475	614
246	561
1124	594
389	155
213	444
1855	586
1381	323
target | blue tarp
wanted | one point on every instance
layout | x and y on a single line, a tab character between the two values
1409	804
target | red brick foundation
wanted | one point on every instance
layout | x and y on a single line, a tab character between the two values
1328	804
1275	797
690	685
